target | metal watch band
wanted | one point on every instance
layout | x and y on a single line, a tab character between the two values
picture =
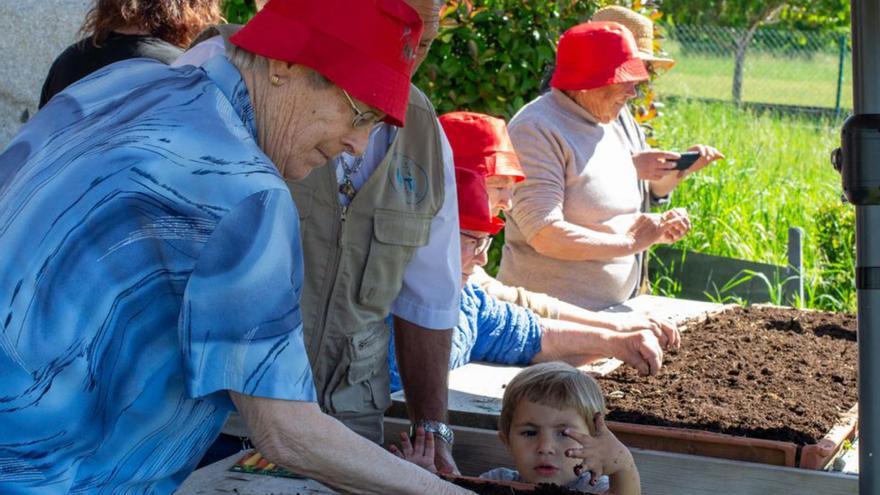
440	430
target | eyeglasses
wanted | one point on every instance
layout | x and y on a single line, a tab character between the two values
361	119
481	244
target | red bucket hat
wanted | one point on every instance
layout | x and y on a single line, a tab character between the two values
366	47
473	202
480	142
596	54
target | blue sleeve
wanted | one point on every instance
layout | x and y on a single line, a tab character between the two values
506	333
487	330
240	323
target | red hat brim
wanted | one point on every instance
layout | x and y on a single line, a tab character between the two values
506	165
492	227
275	36
498	163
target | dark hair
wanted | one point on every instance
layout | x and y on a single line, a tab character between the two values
174	21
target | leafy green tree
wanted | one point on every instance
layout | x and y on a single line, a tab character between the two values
799	14
752	14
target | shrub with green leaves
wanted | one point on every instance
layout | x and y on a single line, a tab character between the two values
491	54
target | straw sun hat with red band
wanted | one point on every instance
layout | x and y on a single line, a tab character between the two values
596	54
473	202
480	142
642	29
366	47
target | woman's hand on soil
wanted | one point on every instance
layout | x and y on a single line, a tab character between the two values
601	454
419	452
665	330
654	164
671	337
640	349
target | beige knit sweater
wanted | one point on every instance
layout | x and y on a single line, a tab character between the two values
540	304
579	171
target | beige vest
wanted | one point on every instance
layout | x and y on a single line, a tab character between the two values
355	259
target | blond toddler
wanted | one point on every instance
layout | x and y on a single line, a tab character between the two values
552	422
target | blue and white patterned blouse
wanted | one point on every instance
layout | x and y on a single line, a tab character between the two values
150	262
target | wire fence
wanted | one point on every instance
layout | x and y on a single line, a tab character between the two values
774	67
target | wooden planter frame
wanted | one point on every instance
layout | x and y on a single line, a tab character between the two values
662	473
709	444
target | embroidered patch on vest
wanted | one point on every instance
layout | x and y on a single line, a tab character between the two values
409	178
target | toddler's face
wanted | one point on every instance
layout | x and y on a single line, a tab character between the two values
538	446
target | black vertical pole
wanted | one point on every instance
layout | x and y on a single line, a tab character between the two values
861	180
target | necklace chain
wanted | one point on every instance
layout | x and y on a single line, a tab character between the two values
346	188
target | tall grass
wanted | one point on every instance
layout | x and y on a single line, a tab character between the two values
777	175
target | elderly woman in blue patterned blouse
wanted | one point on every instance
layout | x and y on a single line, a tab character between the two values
153	266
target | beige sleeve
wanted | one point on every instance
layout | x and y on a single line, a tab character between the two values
538	200
541	304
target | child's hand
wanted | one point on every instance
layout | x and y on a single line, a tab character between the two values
420	452
602	454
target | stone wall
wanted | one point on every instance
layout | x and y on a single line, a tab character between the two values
32	34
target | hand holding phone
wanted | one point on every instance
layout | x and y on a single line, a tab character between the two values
688	158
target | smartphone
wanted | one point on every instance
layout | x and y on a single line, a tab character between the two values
687	159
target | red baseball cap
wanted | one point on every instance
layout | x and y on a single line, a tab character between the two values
473	202
366	47
596	54
480	142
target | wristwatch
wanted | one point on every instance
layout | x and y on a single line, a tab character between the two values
438	428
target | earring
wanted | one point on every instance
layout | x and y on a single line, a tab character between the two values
275	80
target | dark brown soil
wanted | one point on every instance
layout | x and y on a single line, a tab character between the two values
772	373
489	487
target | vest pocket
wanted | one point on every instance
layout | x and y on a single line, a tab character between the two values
365	386
396	235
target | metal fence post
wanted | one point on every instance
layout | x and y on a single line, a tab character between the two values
793	286
840	62
865	163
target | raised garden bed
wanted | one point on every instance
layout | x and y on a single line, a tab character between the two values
762	384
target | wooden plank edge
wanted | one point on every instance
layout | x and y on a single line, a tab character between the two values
822	454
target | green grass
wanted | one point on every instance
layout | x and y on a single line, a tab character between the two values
777	175
778	79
